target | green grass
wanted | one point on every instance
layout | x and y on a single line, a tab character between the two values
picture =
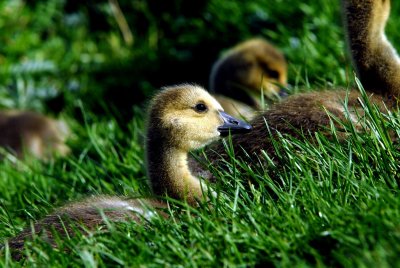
331	204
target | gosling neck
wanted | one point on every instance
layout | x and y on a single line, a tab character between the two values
169	171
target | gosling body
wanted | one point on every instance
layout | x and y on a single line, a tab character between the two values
377	65
32	133
85	216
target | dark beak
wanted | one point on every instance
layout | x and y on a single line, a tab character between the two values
232	125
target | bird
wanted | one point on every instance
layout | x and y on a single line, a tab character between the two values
29	133
245	72
181	118
377	65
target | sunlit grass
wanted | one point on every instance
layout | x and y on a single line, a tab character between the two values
331	202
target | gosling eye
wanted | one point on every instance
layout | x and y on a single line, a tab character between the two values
201	108
272	74
268	71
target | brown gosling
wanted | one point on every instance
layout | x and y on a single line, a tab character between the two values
32	133
377	65
181	119
244	72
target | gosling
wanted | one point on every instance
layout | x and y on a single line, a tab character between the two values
181	119
23	133
245	72
378	67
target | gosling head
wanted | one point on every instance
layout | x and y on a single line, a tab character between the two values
187	118
181	119
251	66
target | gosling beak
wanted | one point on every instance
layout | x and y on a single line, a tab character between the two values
232	125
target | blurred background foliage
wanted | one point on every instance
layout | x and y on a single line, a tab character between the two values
112	54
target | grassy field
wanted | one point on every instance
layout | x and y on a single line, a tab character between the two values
331	204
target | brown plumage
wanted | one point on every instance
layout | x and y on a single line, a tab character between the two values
85	216
243	72
376	62
181	119
32	133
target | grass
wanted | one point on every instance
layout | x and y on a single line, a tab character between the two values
331	204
